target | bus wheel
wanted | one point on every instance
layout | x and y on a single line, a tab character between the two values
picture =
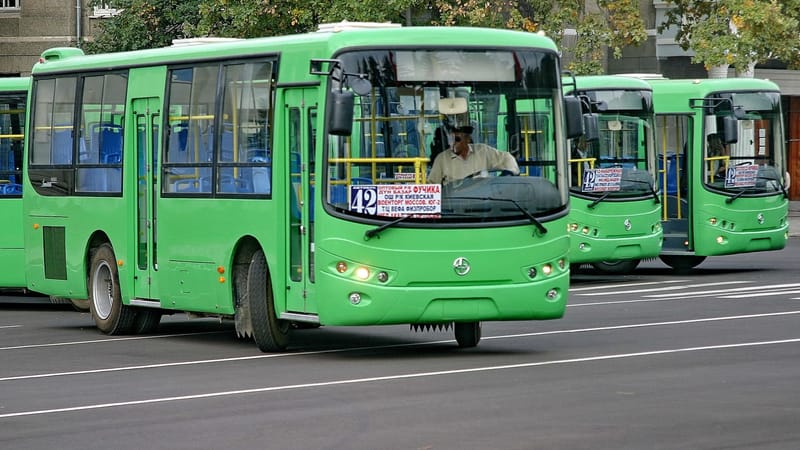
77	304
269	333
80	305
468	334
146	321
105	298
682	262
620	267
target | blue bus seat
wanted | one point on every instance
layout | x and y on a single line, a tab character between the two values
62	146
11	189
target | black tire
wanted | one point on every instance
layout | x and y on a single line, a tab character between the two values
269	333
146	321
59	300
105	298
80	305
682	263
621	267
468	334
77	304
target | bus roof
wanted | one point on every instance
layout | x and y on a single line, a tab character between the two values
600	82
14	84
705	86
322	44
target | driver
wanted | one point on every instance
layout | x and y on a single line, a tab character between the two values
466	159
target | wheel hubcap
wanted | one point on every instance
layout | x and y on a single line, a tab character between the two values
102	290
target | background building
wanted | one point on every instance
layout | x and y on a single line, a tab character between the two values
28	27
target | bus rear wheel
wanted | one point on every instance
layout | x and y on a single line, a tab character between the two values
270	333
77	304
146	321
468	334
682	262
620	267
105	298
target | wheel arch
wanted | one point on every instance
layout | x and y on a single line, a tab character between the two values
243	253
95	240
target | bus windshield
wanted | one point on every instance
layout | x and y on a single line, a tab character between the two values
619	161
420	103
743	141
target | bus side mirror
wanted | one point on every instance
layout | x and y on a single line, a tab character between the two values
574	117
339	112
730	130
591	127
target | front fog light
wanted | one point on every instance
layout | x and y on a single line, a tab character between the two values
552	294
355	298
362	273
547	269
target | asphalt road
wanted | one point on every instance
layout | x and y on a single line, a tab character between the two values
704	360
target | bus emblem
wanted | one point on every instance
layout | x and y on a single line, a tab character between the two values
627	224
461	266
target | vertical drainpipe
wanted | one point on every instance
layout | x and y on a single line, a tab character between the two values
78	14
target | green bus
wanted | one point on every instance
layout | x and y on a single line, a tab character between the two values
281	182
722	157
615	211
13	95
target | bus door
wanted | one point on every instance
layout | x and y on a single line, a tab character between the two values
300	113
674	143
147	118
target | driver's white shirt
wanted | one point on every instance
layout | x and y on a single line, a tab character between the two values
448	166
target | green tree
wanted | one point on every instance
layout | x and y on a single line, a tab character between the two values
256	18
143	24
738	33
600	26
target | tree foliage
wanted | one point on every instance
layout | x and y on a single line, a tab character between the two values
737	32
142	24
600	26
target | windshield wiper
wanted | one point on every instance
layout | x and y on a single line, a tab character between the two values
783	188
527	213
598	200
730	200
369	234
649	186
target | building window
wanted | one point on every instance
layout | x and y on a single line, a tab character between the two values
9	4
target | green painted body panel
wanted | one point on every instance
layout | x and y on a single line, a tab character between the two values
718	224
619	228
199	239
607	237
12	255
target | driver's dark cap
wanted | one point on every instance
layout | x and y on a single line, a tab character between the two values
466	129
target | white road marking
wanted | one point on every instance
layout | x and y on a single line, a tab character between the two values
407	376
668	288
100	341
623	285
762	294
724	291
9	326
352	349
